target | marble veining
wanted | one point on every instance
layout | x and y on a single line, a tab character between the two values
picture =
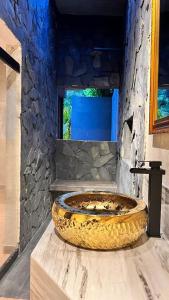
139	272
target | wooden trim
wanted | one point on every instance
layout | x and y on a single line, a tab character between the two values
154	62
163	120
161	125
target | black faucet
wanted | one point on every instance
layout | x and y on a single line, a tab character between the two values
154	194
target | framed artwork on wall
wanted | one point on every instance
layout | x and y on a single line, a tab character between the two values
159	75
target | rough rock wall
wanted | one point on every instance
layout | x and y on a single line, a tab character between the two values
134	95
165	210
31	22
157	145
85	160
138	144
89	51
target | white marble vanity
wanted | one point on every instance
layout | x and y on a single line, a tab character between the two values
60	271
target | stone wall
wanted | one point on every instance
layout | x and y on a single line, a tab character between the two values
137	143
31	22
134	95
76	160
81	60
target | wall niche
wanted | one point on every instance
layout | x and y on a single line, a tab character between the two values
127	139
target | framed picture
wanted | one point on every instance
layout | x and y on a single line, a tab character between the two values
159	80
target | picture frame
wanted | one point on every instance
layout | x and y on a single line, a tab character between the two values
155	125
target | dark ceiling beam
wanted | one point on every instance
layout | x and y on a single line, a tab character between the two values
91	7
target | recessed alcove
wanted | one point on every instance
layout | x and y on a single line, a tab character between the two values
10	145
127	139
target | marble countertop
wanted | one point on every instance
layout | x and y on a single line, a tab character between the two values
61	271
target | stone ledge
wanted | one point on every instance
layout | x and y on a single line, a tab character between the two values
79	185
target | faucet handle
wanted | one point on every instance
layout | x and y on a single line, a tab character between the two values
152	164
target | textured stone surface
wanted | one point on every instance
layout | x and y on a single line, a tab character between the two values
79	61
85	160
31	22
157	145
165	211
135	99
134	95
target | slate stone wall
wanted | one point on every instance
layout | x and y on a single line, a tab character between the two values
165	211
134	95
77	160
135	141
32	23
89	51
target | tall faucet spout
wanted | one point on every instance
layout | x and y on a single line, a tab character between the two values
140	171
154	196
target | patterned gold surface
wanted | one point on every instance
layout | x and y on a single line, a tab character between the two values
99	220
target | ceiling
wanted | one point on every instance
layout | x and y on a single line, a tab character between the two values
164	5
91	7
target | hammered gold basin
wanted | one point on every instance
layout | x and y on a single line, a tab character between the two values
99	220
